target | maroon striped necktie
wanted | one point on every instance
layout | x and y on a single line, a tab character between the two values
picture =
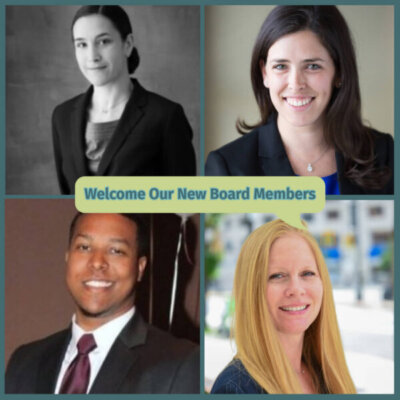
76	379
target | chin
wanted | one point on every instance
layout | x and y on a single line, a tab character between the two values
294	329
93	312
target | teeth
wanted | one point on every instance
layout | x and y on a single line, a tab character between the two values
298	103
98	284
299	308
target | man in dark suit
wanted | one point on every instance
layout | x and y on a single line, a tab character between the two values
105	260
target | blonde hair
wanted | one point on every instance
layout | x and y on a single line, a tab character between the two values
258	346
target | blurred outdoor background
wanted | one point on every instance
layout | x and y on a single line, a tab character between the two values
356	237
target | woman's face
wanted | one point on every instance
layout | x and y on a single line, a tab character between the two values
299	73
294	287
100	51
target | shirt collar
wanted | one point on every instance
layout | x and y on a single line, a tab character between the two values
104	335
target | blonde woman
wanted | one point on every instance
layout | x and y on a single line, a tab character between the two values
285	326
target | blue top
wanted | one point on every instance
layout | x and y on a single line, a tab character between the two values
331	184
235	379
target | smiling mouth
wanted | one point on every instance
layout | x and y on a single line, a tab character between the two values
298	102
297	308
98	284
95	68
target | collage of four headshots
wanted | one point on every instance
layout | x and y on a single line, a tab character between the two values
199	303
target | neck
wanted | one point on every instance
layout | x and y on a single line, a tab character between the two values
89	322
307	139
293	347
107	96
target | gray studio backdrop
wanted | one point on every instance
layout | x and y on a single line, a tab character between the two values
41	72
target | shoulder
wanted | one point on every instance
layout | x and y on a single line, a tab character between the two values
171	364
156	102
26	361
168	347
383	143
235	158
235	379
38	347
161	101
249	141
68	105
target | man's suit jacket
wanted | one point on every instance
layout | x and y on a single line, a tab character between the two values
261	153
143	359
152	138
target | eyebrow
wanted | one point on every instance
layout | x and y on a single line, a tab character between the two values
314	60
307	60
97	37
111	240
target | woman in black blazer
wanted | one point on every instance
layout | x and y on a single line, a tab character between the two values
116	128
305	81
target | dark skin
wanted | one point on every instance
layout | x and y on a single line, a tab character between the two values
103	267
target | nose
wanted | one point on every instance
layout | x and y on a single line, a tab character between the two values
295	287
93	54
98	261
296	79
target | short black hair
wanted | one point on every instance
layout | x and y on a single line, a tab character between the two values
142	231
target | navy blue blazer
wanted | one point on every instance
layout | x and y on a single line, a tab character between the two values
261	153
235	379
153	138
143	359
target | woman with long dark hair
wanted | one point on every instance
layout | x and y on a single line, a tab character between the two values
117	127
305	81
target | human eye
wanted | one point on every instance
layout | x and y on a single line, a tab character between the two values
313	66
104	41
275	276
279	67
308	273
80	45
84	247
117	251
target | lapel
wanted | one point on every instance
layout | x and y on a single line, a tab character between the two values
133	112
272	156
274	161
77	131
50	363
121	357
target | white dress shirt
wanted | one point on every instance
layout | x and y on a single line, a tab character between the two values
104	336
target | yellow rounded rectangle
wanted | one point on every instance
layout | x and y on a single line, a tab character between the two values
287	197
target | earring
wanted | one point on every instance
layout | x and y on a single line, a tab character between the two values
338	84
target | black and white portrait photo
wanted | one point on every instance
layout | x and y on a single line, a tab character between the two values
100	91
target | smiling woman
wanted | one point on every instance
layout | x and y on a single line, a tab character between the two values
305	81
285	326
117	128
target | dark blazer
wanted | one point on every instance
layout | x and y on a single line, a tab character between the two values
261	153
143	359
235	379
152	138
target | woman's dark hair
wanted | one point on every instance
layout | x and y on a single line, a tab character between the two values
343	126
119	19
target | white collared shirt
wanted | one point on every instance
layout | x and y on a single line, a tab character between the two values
104	336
